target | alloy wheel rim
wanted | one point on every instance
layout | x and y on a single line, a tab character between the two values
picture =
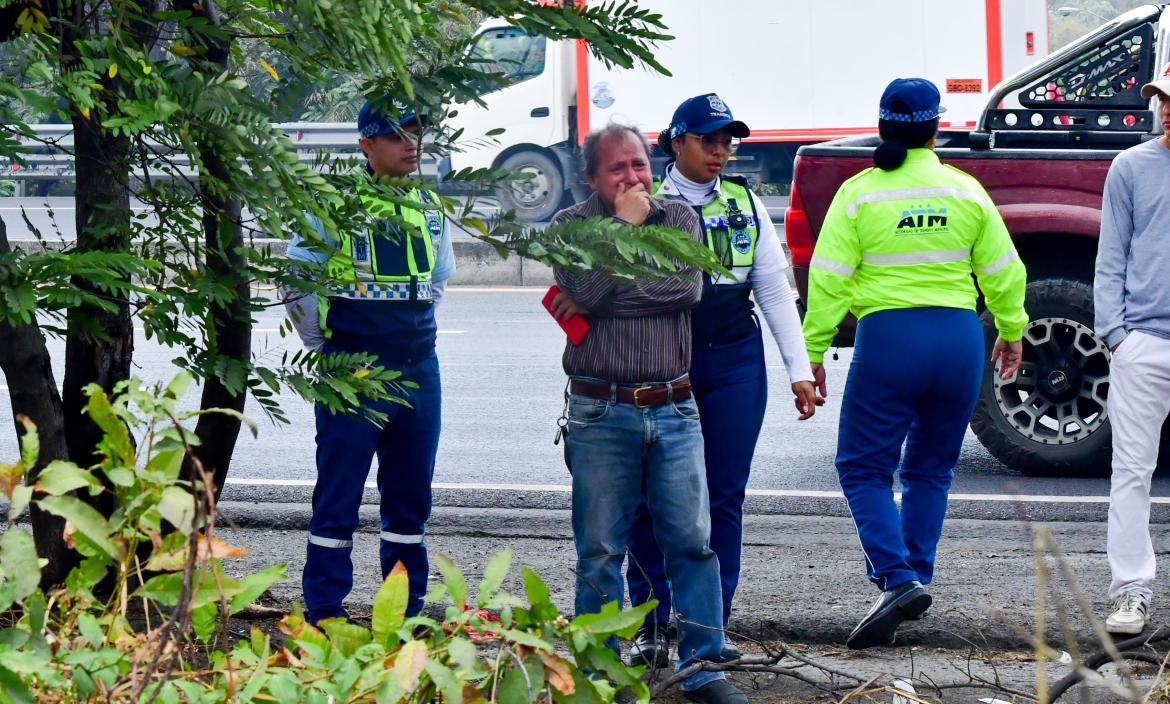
1058	396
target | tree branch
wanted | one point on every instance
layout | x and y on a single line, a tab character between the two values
229	329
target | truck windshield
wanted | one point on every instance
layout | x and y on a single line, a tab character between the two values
511	52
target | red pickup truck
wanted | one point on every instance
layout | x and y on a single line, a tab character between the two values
1041	149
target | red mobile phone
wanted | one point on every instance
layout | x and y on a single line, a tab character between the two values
576	327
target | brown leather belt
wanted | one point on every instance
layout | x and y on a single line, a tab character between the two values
644	396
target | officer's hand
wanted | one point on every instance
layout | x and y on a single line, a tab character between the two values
806	399
1009	355
818	371
564	307
632	204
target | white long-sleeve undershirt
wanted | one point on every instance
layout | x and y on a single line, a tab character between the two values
768	278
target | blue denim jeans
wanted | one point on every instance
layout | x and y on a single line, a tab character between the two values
617	455
730	383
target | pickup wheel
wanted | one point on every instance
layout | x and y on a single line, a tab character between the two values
1051	419
535	199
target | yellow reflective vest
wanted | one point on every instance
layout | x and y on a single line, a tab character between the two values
912	238
390	262
403	272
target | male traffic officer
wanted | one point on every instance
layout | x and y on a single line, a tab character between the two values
386	283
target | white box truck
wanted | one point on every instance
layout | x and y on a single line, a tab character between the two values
796	71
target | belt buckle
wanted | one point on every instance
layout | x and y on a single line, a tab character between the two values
637	402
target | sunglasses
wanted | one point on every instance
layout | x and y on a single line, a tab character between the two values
713	142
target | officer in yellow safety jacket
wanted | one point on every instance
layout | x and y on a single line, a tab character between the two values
385	285
898	248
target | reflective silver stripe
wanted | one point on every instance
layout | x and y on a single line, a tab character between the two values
1000	264
383	291
329	542
911	194
831	266
944	256
399	538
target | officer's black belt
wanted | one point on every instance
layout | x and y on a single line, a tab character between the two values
643	396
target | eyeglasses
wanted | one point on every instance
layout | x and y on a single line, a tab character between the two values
713	142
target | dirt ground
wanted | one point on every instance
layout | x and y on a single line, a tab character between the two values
937	675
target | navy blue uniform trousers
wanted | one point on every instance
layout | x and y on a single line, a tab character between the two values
346	444
914	380
730	385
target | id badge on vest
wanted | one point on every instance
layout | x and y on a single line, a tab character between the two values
435	227
362	265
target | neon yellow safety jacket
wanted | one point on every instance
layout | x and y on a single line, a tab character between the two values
912	238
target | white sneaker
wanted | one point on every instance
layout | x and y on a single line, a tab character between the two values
1130	612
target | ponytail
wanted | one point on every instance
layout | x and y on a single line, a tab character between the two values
664	143
900	137
889	155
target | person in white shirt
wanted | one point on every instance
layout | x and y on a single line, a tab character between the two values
728	375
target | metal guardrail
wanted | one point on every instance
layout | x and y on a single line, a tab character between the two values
48	158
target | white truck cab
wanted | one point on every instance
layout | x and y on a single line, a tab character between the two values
796	71
534	110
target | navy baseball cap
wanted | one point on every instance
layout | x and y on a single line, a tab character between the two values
373	122
910	100
704	114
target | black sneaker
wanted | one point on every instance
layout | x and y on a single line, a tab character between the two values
717	692
880	625
651	647
730	652
624	696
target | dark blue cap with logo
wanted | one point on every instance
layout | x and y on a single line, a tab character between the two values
373	122
704	114
910	100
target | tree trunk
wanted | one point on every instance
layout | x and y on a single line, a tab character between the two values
230	323
232	326
100	343
32	391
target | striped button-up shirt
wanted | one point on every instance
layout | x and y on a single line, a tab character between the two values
640	330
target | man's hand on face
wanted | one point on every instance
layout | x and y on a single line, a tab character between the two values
632	204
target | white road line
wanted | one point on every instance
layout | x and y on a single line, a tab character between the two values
277	482
441	332
777	493
780	493
496	289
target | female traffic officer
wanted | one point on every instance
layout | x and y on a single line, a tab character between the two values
898	247
728	376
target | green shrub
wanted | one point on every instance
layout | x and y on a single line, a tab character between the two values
160	635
